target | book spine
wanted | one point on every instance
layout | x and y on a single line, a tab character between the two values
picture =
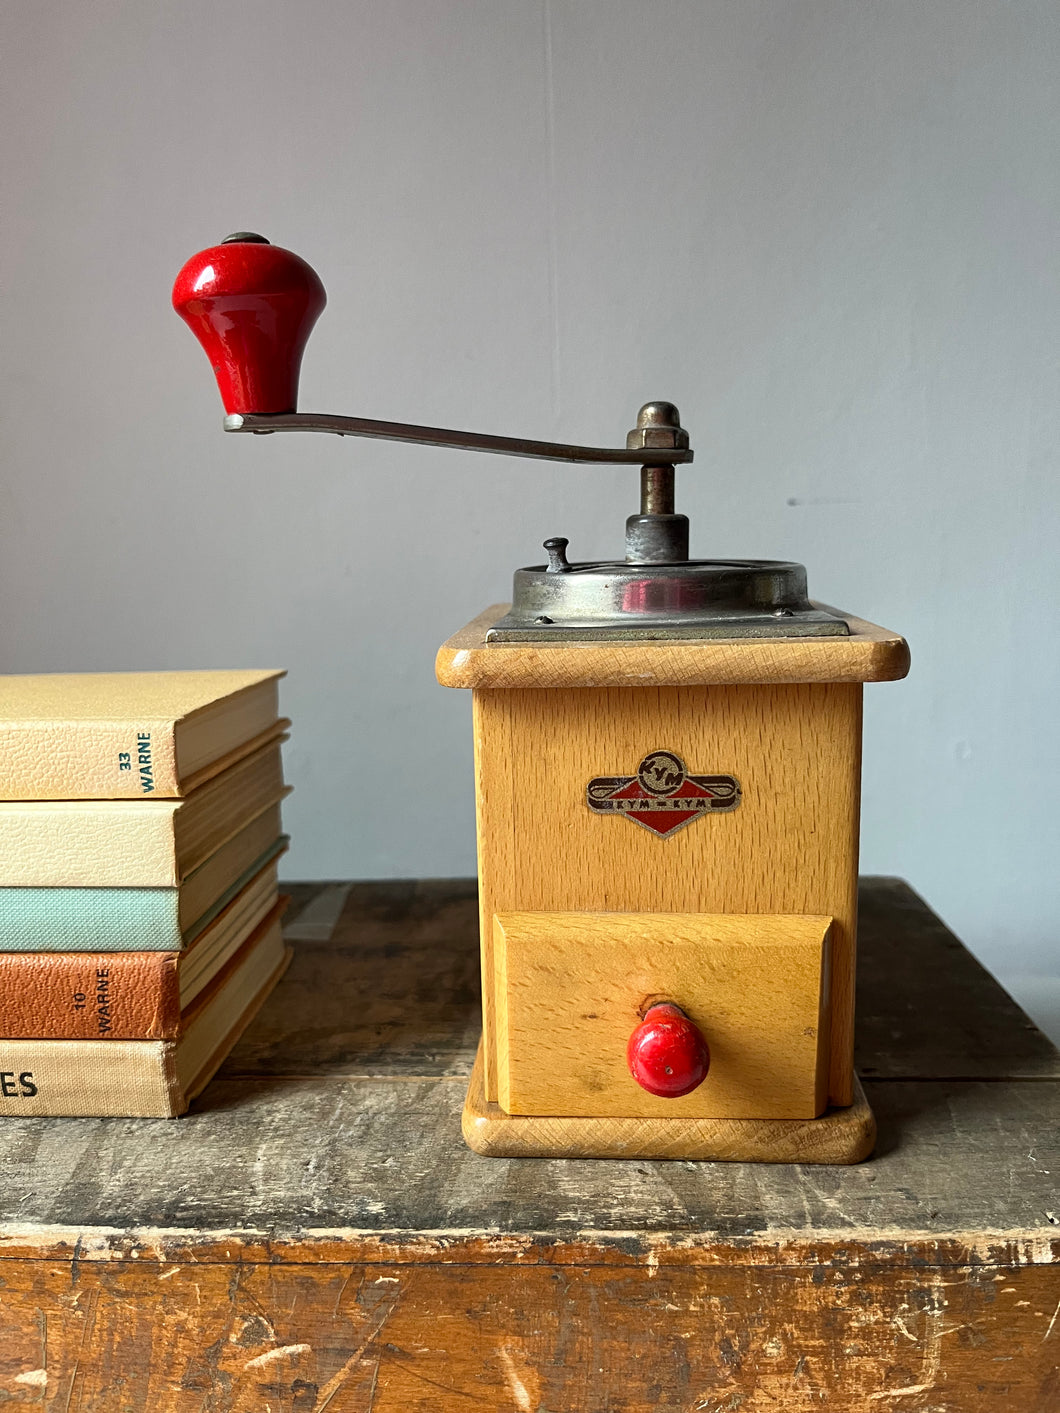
88	760
90	920
97	996
88	844
90	1078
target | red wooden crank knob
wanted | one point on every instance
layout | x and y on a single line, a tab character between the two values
667	1054
252	306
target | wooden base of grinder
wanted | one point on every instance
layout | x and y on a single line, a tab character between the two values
839	1136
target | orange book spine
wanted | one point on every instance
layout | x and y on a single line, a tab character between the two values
89	995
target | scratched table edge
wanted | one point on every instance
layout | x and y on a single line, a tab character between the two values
866	1248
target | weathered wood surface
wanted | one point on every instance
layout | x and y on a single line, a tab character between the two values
926	1008
391	1338
271	1161
314	1235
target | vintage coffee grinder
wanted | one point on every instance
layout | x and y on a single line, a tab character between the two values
667	772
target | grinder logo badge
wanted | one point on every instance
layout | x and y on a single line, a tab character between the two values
662	796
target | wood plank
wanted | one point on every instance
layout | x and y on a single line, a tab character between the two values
394	991
926	1008
869	654
350	1338
385	1160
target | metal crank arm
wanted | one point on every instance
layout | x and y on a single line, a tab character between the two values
461	441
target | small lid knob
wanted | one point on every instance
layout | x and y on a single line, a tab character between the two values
557	555
667	1054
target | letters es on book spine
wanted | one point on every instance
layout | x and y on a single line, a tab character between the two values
143	1078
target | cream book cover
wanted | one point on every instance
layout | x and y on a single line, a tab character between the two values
129	735
133	843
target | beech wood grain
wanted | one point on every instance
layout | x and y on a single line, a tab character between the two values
573	986
844	1135
790	847
869	654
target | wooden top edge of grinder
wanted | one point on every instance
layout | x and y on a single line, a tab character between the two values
869	654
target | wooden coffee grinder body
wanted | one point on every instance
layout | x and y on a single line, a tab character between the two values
735	902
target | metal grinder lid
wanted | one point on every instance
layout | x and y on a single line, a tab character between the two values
720	598
657	592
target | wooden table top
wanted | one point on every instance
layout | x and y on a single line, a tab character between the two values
315	1238
339	1112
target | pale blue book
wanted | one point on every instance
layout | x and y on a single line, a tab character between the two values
139	919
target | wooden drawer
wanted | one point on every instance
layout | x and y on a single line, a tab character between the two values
571	987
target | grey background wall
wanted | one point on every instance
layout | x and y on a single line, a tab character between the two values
827	230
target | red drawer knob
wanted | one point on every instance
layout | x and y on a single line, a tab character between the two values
252	306
667	1054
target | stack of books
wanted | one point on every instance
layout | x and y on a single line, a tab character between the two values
139	908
